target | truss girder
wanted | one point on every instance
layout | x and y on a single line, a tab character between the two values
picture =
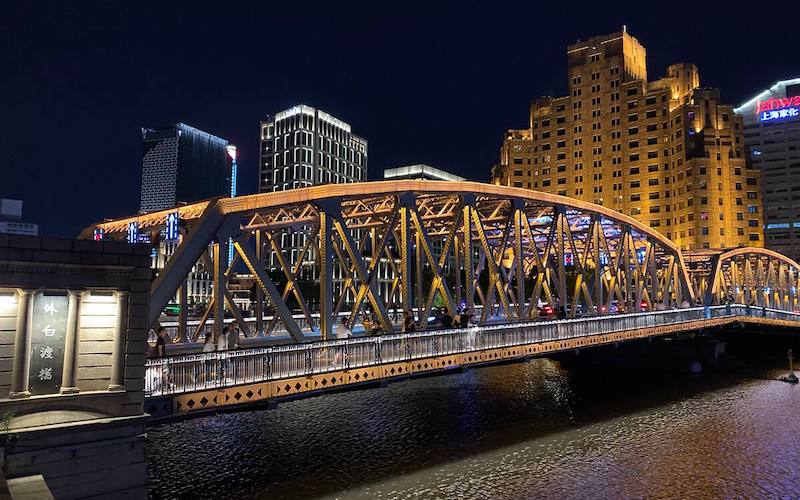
374	247
754	276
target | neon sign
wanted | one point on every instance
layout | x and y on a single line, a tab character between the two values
776	108
133	232
172	226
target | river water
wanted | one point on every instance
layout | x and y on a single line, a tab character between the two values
541	429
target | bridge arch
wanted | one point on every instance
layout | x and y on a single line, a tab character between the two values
383	246
756	276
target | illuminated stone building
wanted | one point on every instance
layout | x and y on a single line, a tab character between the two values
772	136
667	152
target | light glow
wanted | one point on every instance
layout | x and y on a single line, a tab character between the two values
765	93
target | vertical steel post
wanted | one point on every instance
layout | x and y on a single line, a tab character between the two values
326	318
469	269
561	219
457	264
405	255
597	226
520	261
260	291
183	312
653	274
218	262
419	298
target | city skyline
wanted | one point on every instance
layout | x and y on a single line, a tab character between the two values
422	111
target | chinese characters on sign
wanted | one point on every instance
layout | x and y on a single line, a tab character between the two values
48	331
766	116
776	108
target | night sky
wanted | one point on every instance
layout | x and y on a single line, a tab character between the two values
433	82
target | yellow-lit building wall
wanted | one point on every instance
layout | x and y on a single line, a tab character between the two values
667	153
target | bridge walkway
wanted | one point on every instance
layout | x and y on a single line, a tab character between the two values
184	384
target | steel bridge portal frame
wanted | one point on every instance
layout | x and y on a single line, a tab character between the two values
447	243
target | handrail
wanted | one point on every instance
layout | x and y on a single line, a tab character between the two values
188	373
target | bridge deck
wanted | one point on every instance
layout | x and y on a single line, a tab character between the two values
211	380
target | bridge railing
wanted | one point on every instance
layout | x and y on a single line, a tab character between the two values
207	328
180	374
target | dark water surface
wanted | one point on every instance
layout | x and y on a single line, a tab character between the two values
531	430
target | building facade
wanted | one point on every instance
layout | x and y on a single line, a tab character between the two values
11	219
667	153
772	136
182	164
304	146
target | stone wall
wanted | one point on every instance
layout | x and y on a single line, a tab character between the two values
82	429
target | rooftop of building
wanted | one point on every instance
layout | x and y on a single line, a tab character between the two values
420	171
766	92
158	133
599	39
310	110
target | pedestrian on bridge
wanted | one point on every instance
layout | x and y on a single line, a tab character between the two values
342	333
161	342
408	322
464	318
208	343
447	320
222	340
343	330
233	337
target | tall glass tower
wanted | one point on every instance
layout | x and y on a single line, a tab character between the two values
184	164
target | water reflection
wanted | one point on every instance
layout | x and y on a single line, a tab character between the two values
527	430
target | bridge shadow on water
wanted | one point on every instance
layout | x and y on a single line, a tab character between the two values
340	442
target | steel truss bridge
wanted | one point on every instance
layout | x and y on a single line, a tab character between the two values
380	247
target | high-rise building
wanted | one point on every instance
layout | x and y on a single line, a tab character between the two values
303	146
419	171
182	164
772	137
667	153
11	219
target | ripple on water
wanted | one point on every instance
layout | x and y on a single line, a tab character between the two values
528	430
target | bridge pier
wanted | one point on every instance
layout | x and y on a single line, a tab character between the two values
73	329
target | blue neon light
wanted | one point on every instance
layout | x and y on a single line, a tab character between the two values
172	226
767	116
234	172
133	232
640	255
